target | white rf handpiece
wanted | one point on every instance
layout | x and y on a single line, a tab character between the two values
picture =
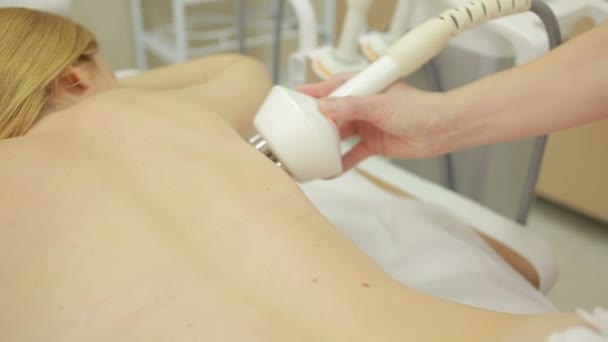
296	136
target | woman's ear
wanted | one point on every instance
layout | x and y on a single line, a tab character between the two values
73	81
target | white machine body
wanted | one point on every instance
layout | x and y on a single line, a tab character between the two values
345	57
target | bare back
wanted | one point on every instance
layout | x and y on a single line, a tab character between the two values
142	216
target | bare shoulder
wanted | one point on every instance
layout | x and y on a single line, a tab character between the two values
121	124
145	111
128	115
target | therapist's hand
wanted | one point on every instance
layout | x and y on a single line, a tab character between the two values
403	122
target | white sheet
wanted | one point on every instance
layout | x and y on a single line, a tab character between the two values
424	246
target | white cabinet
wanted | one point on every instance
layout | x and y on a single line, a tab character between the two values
197	33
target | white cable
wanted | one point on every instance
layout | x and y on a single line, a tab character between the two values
424	42
479	12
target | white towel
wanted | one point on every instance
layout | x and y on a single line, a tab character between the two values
597	319
424	246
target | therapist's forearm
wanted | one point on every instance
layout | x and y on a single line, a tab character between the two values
566	88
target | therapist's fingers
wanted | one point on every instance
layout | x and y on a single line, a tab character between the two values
323	89
348	130
355	156
373	109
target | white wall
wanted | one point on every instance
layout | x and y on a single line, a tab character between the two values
110	20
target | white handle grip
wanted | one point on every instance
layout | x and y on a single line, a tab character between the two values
427	40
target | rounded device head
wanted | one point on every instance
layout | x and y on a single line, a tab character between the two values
300	137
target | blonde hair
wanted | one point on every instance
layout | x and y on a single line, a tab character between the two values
35	48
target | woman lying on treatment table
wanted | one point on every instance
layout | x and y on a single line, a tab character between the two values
142	215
